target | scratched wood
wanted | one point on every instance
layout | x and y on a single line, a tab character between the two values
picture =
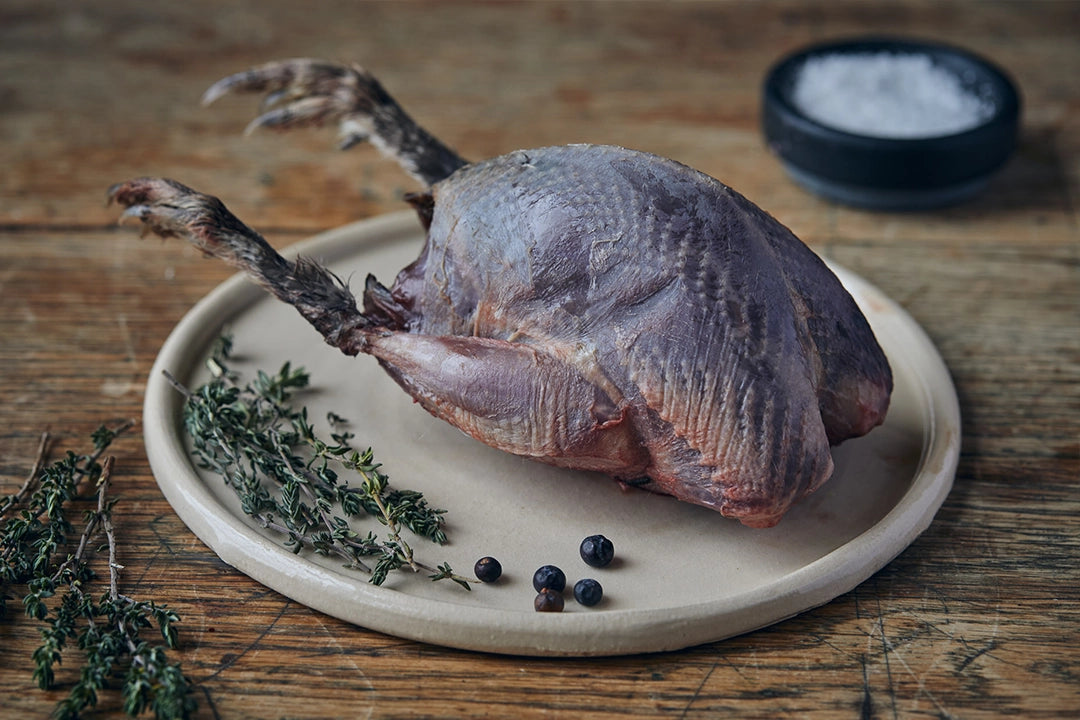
979	618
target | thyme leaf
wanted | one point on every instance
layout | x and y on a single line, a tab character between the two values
290	479
39	550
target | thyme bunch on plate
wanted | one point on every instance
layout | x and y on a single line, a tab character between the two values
288	478
40	551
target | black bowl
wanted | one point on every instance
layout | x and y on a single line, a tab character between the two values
892	173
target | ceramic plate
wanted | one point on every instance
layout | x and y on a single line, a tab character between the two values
683	574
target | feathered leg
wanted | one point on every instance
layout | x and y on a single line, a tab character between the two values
305	92
170	209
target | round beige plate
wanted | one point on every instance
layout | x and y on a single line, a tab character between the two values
683	575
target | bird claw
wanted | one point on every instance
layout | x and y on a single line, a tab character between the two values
169	209
302	92
301	76
140	198
143	214
309	111
313	93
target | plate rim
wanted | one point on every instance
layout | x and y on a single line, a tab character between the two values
613	632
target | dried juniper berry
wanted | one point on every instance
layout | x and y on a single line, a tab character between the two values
549	600
549	577
597	551
487	569
588	592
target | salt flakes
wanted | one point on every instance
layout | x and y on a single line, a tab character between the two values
887	95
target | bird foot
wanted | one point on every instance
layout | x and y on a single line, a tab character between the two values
170	209
305	93
314	93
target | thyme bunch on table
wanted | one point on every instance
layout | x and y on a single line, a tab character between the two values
41	552
288	478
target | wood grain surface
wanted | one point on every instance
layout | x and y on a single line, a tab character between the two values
979	618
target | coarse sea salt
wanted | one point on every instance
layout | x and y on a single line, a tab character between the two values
887	95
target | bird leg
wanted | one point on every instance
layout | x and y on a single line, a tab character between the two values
170	209
306	92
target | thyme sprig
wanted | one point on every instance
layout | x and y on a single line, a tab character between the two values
289	479
35	534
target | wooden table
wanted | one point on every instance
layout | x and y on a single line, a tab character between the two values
978	618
